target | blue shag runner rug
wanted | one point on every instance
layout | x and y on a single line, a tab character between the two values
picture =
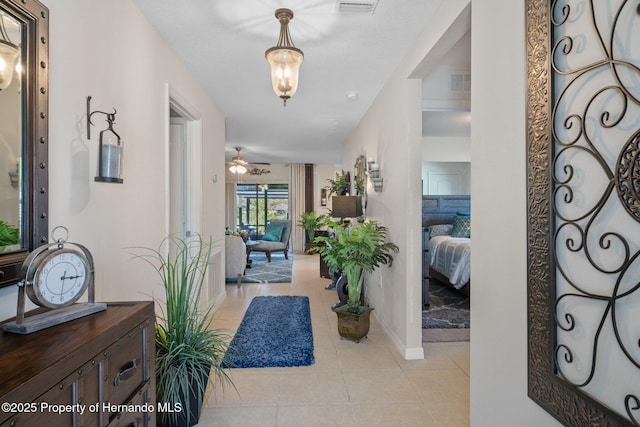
275	332
277	271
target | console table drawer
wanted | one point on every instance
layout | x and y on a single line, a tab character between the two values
125	367
107	357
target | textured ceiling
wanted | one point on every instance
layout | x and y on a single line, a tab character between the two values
222	42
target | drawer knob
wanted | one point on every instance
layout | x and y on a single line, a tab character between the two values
128	371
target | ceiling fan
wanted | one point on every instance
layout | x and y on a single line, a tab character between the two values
240	166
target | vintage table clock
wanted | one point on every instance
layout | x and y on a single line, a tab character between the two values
55	276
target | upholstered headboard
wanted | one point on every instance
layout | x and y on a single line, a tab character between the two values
440	209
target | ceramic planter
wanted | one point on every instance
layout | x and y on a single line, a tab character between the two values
353	326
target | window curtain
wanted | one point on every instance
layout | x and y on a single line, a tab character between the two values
296	206
231	202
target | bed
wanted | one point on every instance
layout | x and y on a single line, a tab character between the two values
446	248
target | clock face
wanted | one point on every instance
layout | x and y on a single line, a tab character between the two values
60	278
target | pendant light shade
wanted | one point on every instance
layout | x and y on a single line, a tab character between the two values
8	56
284	59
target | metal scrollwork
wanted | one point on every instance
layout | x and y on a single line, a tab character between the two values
589	143
595	258
628	176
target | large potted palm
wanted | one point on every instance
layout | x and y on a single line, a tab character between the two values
356	251
189	350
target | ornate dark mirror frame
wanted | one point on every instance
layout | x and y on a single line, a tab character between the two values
360	181
548	179
34	17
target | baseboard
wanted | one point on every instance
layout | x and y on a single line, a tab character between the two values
408	353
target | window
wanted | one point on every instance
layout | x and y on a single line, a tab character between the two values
260	203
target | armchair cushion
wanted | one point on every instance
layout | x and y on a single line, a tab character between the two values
274	231
276	227
235	257
270	238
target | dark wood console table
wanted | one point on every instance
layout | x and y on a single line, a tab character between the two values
94	366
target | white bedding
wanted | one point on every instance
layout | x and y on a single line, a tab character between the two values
451	256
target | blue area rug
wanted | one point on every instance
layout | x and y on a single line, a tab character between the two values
275	332
277	271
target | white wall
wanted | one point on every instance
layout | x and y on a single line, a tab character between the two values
498	187
455	173
391	133
109	51
446	149
498	311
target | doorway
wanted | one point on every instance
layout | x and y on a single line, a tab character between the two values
184	188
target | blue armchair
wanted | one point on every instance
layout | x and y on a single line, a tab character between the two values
275	239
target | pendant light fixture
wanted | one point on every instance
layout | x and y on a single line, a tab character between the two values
8	56
285	59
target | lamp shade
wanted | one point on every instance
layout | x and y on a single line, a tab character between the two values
346	206
285	67
8	55
284	59
238	169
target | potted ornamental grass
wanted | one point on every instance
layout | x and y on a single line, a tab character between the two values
189	349
356	251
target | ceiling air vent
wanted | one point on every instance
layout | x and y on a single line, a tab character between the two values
460	82
356	6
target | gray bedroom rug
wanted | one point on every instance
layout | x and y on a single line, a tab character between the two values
448	316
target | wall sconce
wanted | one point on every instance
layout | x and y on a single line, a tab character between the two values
14	177
110	148
8	56
284	59
373	169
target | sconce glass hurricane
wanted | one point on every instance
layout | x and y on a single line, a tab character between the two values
374	175
110	148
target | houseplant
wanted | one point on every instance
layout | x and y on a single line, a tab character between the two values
356	251
189	350
311	222
9	235
340	186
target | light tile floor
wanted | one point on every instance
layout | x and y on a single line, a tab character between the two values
364	384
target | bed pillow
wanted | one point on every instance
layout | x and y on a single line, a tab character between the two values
461	226
440	230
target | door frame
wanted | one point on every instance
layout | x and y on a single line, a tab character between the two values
192	160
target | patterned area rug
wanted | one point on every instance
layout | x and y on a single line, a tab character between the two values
261	271
274	332
449	309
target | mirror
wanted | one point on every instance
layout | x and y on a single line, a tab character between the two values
359	177
24	119
360	180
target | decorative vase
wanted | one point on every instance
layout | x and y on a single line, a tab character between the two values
353	326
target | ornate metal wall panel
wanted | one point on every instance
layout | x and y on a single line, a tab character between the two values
584	209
